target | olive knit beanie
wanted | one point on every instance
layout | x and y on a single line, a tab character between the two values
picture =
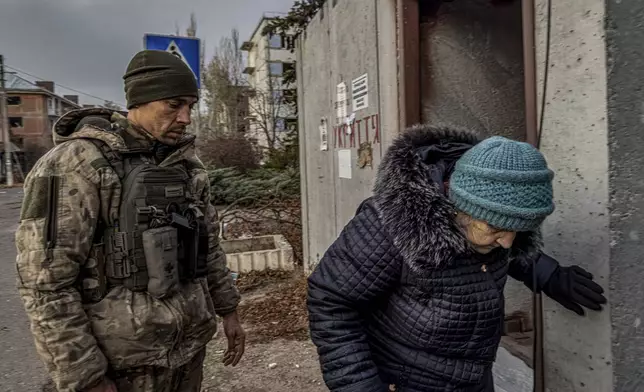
153	75
504	183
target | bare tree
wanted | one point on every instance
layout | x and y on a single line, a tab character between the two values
196	127
226	90
191	31
272	113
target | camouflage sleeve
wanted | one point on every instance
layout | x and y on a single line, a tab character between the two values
58	217
225	295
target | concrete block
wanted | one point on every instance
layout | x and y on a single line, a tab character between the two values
259	253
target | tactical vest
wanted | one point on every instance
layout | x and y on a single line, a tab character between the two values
160	237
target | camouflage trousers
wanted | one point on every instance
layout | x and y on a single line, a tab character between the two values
187	378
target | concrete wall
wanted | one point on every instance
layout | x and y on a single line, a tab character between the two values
472	77
344	41
575	142
625	37
472	67
593	146
592	139
317	168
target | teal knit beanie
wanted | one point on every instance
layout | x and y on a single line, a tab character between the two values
504	183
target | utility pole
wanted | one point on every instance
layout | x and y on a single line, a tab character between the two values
5	125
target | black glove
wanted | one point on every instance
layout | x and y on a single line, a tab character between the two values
574	286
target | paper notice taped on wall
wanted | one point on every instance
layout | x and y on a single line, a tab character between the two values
341	103
360	92
350	120
324	135
344	163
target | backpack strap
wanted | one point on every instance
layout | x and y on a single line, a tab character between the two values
113	158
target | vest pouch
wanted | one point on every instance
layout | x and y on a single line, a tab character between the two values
161	259
92	280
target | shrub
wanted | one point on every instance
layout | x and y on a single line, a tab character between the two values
230	150
249	188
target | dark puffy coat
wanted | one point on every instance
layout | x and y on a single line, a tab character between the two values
399	298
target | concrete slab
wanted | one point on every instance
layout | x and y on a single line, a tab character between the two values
259	253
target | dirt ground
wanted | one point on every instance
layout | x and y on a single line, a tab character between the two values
279	355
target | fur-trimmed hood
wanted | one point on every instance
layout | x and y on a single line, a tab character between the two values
411	200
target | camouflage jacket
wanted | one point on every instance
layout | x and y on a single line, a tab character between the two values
78	340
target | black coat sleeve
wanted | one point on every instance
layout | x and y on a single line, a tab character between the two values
531	259
360	267
524	265
545	267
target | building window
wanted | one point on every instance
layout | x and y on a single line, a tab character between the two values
289	42
280	125
276	82
277	96
285	124
275	41
18	141
51	105
291	124
275	68
278	41
15	122
289	70
14	101
290	94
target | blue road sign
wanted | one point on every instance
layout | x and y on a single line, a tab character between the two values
187	49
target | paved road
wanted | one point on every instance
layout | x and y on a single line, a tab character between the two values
20	368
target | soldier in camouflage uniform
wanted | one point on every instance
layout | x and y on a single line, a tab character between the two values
119	265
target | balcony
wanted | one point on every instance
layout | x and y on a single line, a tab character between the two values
246	46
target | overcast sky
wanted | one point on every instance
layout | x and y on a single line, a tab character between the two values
86	44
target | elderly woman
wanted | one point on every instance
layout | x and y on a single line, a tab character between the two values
410	296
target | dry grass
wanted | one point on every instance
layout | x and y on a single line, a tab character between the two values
280	313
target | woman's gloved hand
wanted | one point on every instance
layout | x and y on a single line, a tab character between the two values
574	287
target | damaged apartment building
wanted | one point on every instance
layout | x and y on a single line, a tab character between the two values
32	109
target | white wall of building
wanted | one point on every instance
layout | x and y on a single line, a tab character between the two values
267	62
